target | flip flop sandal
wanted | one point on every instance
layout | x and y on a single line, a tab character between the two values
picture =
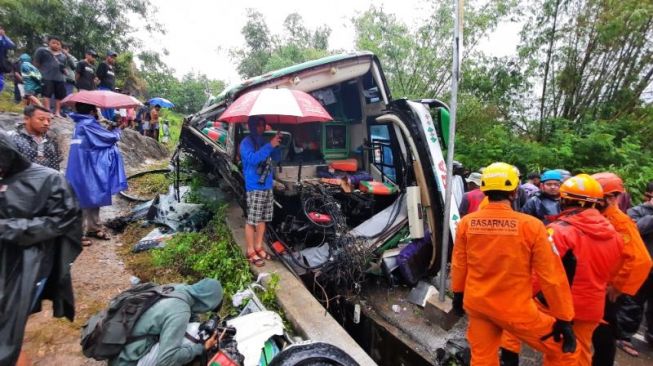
102	235
628	348
254	259
263	254
86	241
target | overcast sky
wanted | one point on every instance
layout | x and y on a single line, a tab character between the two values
200	33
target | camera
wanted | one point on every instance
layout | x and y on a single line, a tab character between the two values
212	325
263	170
208	327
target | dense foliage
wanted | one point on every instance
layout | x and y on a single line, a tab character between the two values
265	51
104	25
573	97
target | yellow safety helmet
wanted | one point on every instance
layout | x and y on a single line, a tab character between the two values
499	177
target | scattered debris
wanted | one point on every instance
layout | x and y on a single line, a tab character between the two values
154	239
253	331
420	293
179	216
456	352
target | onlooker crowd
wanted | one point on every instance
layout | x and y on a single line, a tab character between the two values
53	72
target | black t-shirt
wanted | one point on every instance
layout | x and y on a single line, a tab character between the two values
107	76
50	65
86	74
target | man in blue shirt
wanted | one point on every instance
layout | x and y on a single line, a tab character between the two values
5	45
255	153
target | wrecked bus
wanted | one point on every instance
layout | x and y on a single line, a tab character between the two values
377	154
361	194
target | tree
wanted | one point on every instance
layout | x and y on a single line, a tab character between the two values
418	62
264	52
593	58
188	94
128	77
103	25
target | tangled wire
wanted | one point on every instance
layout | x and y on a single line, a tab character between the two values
350	255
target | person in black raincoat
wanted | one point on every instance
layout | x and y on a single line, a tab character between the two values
40	232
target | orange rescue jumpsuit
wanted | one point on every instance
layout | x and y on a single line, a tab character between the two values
636	259
598	249
495	254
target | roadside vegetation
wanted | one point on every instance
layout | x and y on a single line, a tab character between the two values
7	100
191	256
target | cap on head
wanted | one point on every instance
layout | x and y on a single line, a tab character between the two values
91	52
25	58
565	173
582	187
499	177
112	54
475	178
551	175
610	182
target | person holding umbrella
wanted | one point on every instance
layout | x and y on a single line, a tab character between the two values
154	122
278	106
157	104
256	155
95	168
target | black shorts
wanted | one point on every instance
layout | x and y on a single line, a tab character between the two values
54	88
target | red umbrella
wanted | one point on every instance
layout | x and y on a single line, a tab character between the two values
277	106
102	99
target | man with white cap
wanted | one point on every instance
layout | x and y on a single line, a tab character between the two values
472	199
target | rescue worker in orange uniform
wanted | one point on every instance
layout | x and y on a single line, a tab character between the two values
582	232
496	252
631	275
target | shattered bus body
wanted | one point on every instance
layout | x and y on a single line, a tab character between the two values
361	194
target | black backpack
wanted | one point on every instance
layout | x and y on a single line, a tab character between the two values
106	333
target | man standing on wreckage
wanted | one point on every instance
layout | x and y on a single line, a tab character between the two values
257	154
40	231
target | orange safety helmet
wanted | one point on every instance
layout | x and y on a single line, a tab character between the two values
582	188
610	182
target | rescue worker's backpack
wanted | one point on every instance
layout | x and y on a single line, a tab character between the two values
106	333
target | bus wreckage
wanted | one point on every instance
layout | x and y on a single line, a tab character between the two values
360	196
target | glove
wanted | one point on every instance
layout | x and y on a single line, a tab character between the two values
458	304
563	331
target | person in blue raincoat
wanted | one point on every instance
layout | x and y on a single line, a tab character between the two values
95	168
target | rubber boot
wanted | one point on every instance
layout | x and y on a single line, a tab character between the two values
509	358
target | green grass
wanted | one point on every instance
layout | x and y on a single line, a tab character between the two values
175	120
7	99
150	185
